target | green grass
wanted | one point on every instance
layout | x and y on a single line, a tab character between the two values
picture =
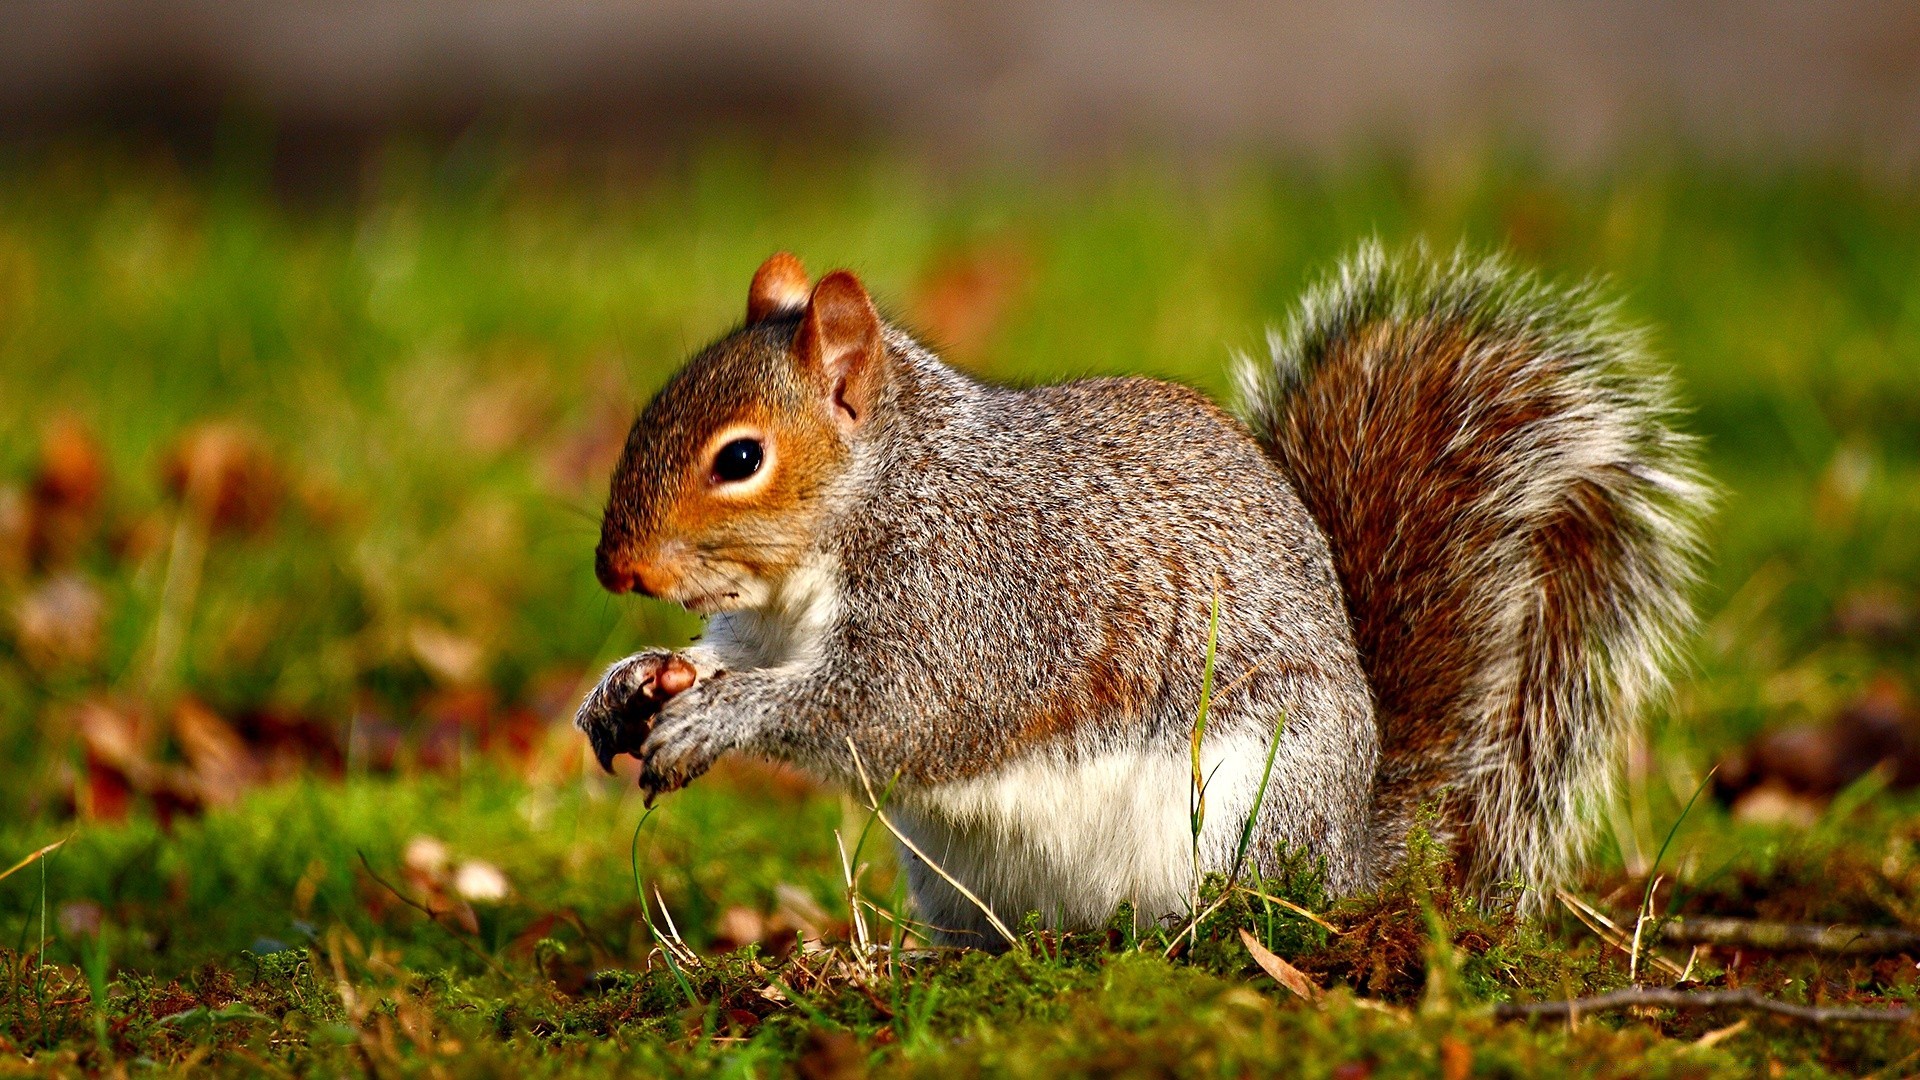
430	374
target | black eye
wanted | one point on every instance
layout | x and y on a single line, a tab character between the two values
738	460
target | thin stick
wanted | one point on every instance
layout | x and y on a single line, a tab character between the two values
862	945
1705	999
873	804
1788	937
853	893
432	916
1692	956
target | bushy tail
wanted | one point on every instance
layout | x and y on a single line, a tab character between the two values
1515	522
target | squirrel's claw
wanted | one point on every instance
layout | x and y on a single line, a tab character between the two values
617	715
678	750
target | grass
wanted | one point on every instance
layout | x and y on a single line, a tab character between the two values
297	500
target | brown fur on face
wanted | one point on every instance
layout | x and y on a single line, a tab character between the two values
670	529
799	378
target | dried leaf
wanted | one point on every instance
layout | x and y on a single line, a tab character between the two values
1283	973
73	471
222	765
67	492
831	1055
426	855
451	658
225	477
738	926
59	622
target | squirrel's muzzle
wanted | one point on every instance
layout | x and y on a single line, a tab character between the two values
628	574
614	578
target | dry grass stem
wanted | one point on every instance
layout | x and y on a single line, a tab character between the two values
1609	931
873	804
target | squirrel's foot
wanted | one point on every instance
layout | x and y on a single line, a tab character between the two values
619	712
683	744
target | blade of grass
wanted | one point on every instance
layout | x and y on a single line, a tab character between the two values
646	913
873	804
1259	798
1197	804
29	860
1197	794
1653	876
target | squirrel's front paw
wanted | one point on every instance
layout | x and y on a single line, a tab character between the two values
682	745
619	712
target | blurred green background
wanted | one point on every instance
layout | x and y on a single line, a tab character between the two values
332	469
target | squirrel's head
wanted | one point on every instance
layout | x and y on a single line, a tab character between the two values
727	473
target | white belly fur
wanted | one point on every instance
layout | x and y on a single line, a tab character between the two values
1071	839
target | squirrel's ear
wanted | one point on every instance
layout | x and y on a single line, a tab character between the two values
779	285
840	340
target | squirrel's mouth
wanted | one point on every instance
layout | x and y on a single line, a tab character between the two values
711	603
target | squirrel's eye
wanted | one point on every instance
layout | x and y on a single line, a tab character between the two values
738	460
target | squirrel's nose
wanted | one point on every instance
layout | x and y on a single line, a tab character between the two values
627	575
616	577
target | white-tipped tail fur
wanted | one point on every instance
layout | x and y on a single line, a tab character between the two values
1516	525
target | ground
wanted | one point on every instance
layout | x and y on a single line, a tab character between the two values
298	492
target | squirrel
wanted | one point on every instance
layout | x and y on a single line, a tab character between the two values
1447	547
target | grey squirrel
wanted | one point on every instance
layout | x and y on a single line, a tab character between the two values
1452	536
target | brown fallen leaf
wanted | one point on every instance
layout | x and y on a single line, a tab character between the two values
222	765
59	622
1879	729
16	531
1283	973
225	476
738	926
1879	612
831	1055
68	491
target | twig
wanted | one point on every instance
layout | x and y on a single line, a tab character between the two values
873	804
432	916
1704	999
1788	937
